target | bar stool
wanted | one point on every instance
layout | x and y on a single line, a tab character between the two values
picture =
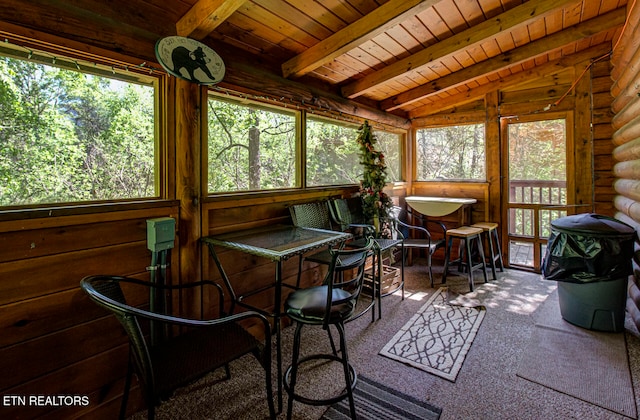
332	303
490	229
466	235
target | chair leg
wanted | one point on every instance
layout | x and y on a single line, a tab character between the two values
447	257
347	371
499	251
492	256
127	387
467	247
333	345
402	270
482	258
430	268
294	369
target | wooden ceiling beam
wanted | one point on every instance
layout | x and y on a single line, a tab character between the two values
364	29
205	16
508	59
503	23
544	70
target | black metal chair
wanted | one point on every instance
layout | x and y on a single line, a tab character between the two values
332	303
318	215
417	237
315	215
348	213
188	348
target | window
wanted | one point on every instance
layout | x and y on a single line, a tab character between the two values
332	153
390	144
451	153
251	147
72	132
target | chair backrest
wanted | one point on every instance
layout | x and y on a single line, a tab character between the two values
311	215
189	350
107	292
346	212
346	274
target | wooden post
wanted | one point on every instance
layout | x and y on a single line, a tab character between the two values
188	184
493	160
583	158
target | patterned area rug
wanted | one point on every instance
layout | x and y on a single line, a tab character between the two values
375	401
437	338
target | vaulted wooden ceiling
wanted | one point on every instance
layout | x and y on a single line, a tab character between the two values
407	57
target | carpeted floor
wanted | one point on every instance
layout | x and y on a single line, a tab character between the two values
486	387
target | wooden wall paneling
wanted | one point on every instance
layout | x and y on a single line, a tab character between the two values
545	93
28	319
35	243
627	132
100	377
54	273
82	339
628	43
627	114
514	109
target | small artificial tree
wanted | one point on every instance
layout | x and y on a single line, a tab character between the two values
376	203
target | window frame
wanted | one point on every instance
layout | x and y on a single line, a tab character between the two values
101	67
452	124
239	100
305	112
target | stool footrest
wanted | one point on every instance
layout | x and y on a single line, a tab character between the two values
325	401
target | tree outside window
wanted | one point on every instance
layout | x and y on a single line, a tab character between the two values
451	153
251	147
69	136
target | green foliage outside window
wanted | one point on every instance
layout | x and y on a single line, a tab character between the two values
451	153
390	145
66	136
332	153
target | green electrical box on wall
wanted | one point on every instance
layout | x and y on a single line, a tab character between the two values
161	233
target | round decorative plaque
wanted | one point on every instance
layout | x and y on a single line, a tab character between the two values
189	59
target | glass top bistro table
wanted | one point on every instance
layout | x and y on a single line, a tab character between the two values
277	243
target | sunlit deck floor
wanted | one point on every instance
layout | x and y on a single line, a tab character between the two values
521	253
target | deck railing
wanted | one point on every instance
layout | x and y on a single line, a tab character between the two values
538	192
534	204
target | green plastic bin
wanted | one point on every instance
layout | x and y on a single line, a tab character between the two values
589	255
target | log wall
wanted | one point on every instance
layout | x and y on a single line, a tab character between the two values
625	90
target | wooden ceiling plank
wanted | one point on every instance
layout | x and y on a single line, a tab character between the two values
505	22
369	26
520	78
205	16
510	58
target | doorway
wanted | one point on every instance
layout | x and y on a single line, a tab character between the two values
538	186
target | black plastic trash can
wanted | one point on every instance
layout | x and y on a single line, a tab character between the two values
589	255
